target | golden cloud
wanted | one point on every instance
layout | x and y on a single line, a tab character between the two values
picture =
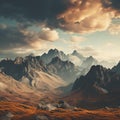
48	34
86	16
37	40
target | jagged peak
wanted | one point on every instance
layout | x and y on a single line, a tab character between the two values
116	68
18	60
91	57
74	52
97	68
118	64
53	50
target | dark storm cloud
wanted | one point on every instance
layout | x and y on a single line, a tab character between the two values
69	12
115	4
16	37
11	37
34	10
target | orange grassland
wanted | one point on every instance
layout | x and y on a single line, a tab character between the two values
25	112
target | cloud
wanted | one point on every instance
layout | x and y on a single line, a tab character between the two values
87	51
86	16
81	16
75	60
113	4
114	29
37	40
77	39
48	34
11	37
30	10
22	41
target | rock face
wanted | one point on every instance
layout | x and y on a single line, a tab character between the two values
116	68
100	84
52	53
65	69
97	79
13	90
43	106
31	71
19	67
64	105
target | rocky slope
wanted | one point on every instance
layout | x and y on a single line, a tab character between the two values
52	53
98	77
65	69
12	90
100	87
31	71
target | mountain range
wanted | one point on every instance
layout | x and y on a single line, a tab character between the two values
100	87
31	71
55	73
65	69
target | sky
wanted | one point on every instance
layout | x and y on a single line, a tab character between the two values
92	27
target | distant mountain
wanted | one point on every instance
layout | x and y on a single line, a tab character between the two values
100	87
87	64
65	69
76	58
80	56
31	71
52	53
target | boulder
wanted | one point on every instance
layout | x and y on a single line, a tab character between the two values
64	105
46	106
41	117
7	116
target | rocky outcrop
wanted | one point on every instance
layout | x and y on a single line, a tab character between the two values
52	53
65	69
32	72
44	106
96	80
99	87
64	105
116	68
41	117
7	116
13	90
